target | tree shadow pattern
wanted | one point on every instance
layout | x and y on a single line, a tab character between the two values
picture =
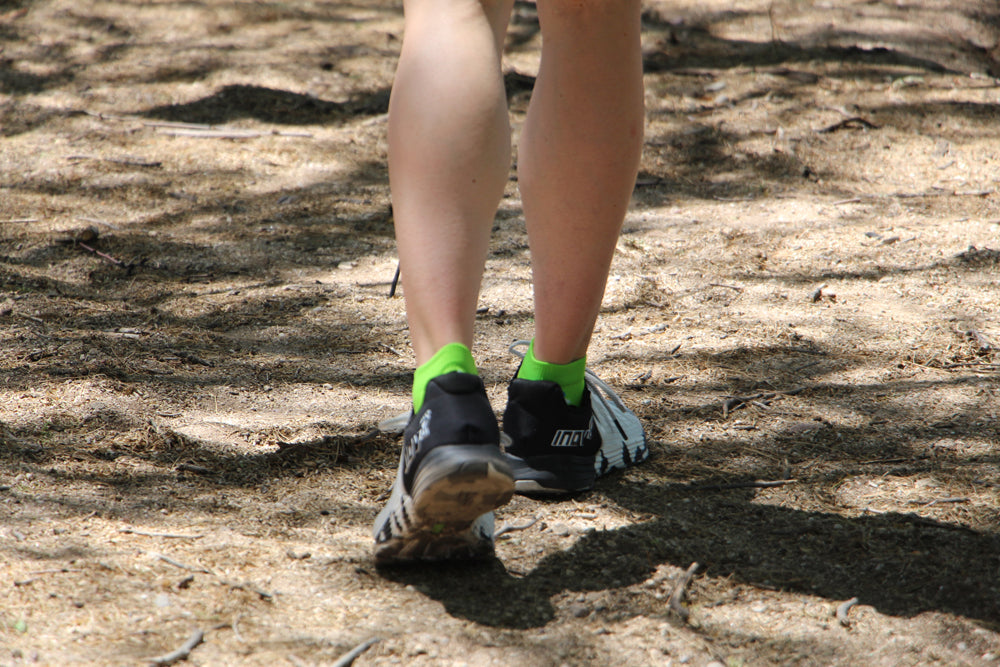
901	564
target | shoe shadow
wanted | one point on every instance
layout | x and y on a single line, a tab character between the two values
480	591
901	564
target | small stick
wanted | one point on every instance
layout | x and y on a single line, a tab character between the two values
758	484
101	254
190	467
236	629
817	293
966	364
187	126
131	531
513	529
213	134
856	121
676	602
264	595
732	287
842	202
12	221
231	134
178	564
129	162
182	653
395	283
352	655
390	348
941	501
843	610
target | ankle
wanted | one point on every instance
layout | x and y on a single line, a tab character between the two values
570	377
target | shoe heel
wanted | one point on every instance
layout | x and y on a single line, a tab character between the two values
459	483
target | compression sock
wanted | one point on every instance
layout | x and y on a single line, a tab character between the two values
453	357
568	376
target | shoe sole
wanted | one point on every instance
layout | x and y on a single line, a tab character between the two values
552	475
448	516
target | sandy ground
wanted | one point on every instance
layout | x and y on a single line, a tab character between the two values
196	251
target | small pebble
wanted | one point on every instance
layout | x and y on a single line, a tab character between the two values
560	529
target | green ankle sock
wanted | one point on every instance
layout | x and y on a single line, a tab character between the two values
450	358
568	376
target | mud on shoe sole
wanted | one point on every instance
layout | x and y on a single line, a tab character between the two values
449	516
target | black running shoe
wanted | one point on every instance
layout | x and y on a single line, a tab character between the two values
451	477
558	449
552	444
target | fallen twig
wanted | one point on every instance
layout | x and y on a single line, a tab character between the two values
132	531
181	653
116	262
129	162
236	629
248	587
939	501
508	528
676	601
843	610
736	402
853	122
14	220
390	348
182	566
352	655
968	364
198	470
187	126
221	133
756	484
395	282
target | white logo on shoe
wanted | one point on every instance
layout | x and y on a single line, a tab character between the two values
415	442
571	438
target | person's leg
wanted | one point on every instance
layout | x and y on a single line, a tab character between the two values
449	157
577	162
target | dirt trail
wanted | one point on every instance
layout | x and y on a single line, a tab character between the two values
196	343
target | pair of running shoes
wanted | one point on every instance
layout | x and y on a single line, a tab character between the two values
456	465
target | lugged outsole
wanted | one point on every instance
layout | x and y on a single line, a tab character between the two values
454	493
